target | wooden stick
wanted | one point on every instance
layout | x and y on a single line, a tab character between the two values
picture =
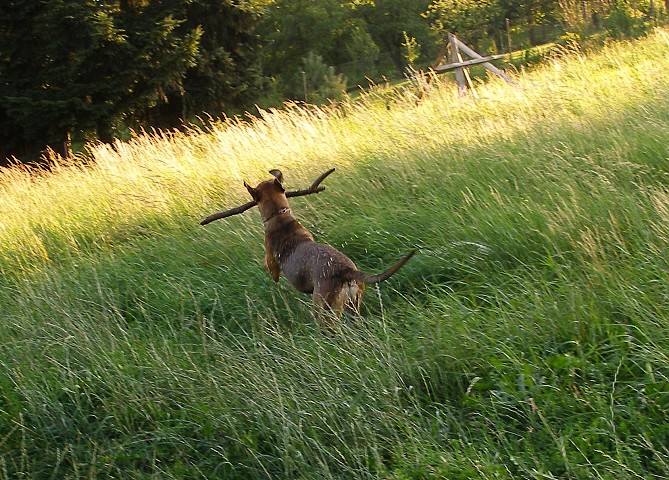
314	188
228	213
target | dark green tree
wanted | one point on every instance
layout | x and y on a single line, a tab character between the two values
154	51
389	20
470	20
361	38
71	66
535	21
295	29
226	74
40	49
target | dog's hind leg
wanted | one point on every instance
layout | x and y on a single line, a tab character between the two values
353	291
329	304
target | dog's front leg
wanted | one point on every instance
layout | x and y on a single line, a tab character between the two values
272	266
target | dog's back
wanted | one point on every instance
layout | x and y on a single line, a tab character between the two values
311	264
326	273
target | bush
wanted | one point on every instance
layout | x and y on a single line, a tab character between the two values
625	21
319	82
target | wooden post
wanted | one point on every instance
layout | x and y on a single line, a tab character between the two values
456	62
488	66
304	86
508	36
470	84
67	146
455	58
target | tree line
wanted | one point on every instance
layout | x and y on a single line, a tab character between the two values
95	68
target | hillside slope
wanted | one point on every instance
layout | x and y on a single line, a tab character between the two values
528	339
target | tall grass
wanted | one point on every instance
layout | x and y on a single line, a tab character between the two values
528	339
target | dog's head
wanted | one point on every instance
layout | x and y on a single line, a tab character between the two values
269	195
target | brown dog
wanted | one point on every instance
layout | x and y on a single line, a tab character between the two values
330	276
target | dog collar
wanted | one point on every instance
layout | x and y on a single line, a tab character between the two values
279	212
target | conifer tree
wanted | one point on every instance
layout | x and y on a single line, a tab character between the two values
72	66
227	73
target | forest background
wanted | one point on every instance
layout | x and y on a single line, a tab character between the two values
96	69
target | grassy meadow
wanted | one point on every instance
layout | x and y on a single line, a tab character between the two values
529	337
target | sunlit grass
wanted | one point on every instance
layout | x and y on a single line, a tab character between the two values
527	339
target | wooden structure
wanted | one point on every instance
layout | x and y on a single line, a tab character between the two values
453	49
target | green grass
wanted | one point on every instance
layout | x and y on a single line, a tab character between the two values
529	338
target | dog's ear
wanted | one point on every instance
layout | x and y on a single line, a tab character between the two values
278	179
278	185
252	191
277	174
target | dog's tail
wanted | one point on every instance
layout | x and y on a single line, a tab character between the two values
364	277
